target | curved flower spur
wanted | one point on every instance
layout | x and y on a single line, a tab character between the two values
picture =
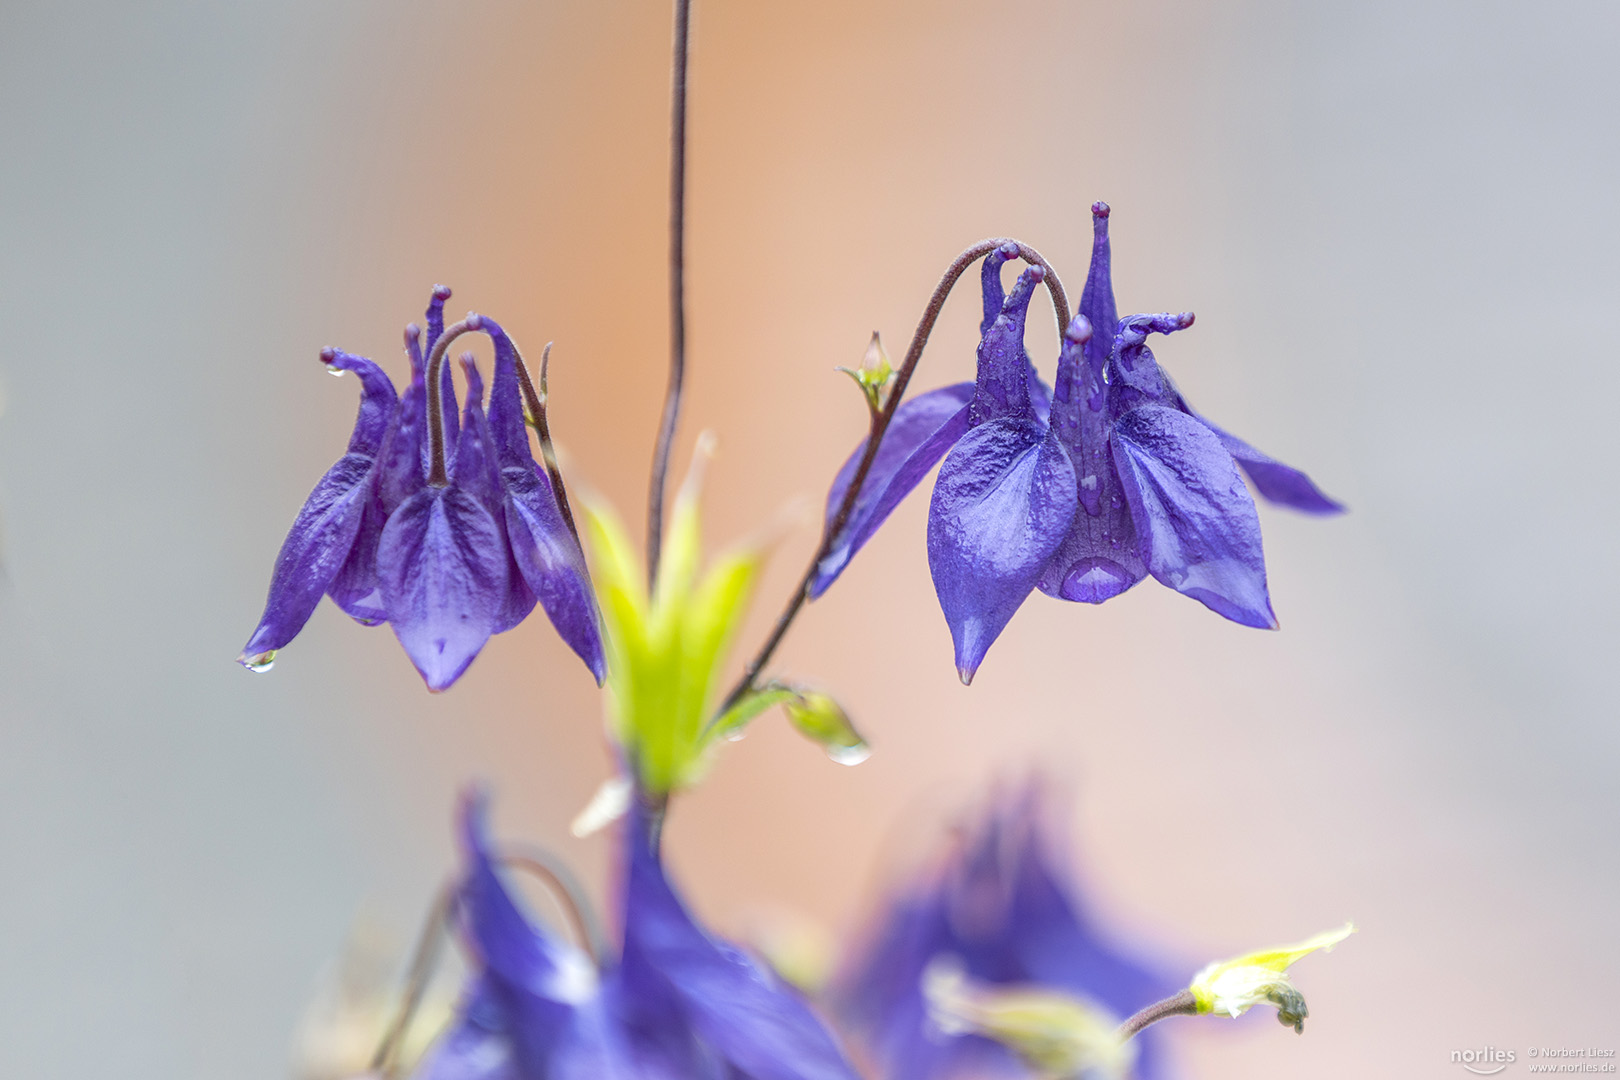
443	527
1081	492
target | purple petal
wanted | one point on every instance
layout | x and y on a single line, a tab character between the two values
920	433
1004	500
312	555
759	1027
1275	481
377	400
356	588
479	475
402	469
1008	916
506	419
323	535
1097	559
503	937
544	550
551	563
1196	525
536	997
1001	387
444	566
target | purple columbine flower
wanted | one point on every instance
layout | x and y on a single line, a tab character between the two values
998	910
441	526
1082	492
678	1004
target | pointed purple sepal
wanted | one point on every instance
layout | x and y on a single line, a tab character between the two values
920	433
322	537
544	550
1003	502
444	565
760	1028
1276	482
1196	525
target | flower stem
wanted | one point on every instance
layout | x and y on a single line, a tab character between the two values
1178	1004
677	293
385	1062
880	425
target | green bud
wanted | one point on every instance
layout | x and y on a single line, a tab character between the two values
823	721
874	374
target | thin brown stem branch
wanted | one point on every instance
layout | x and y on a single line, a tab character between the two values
1179	1004
385	1062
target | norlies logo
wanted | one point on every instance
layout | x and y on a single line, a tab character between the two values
1486	1061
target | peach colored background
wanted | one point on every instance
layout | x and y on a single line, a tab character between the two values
1395	221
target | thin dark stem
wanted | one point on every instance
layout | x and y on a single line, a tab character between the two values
570	897
423	961
536	403
1180	1004
880	425
438	474
677	294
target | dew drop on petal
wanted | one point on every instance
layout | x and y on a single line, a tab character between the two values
335	371
850	755
259	662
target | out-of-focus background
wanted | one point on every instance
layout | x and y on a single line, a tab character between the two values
1396	221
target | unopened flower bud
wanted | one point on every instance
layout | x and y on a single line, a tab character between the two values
822	720
874	374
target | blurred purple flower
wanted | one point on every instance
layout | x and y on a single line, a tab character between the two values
1082	492
998	909
679	1005
446	564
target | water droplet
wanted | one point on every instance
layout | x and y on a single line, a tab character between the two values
850	755
260	662
736	734
337	371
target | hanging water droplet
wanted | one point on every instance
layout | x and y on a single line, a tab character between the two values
337	371
259	662
850	755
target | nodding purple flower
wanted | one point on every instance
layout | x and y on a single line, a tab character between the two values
677	1005
999	910
1082	493
441	526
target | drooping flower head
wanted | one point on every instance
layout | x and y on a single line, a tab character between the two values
677	1004
1080	492
442	526
1003	921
